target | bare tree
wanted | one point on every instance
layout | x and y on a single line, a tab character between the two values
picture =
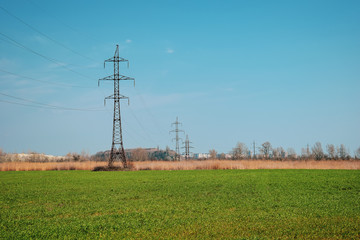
265	149
342	152
317	151
291	153
282	153
212	154
357	153
84	156
278	153
305	152
330	148
73	157
139	154
2	155
240	151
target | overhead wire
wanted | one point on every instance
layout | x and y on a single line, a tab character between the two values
143	102
16	43
44	81
44	105
52	15
43	34
140	124
131	135
23	104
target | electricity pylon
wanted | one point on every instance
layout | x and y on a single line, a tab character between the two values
254	154
117	148
177	138
187	147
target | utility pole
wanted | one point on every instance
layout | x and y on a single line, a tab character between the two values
187	147
117	148
177	138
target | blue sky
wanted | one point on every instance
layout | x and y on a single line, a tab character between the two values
287	72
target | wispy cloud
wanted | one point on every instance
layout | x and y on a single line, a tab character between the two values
39	39
7	64
128	41
164	72
170	50
93	65
57	65
157	101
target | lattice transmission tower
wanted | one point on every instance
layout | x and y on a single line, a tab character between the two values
187	147
117	148
177	138
254	153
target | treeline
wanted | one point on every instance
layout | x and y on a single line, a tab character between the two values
264	152
139	154
42	158
267	151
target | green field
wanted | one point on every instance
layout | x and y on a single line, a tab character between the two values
205	204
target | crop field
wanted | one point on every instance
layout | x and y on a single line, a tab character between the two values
194	204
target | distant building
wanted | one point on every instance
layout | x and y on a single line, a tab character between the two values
201	155
191	156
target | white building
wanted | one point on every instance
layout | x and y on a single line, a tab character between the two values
201	155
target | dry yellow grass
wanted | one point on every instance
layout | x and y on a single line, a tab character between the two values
34	166
246	164
187	165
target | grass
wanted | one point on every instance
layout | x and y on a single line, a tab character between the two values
247	164
187	165
206	204
46	166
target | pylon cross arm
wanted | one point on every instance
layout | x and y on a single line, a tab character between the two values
121	77
179	138
112	78
116	59
116	97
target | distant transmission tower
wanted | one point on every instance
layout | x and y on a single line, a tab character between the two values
117	148
187	147
177	138
254	154
307	150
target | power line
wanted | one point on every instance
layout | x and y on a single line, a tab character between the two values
16	43
140	124
43	34
44	81
61	22
44	105
143	102
130	133
23	104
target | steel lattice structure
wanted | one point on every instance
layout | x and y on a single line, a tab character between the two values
187	147
177	138
117	148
